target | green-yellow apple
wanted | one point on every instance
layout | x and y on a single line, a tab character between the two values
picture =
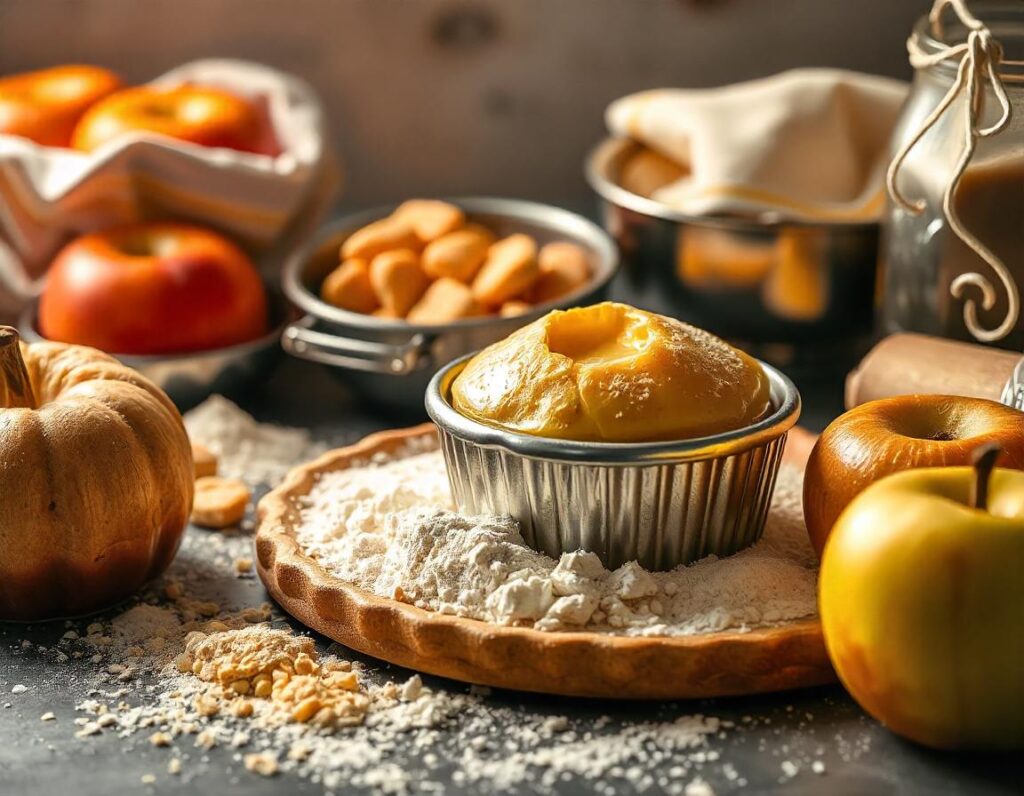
921	596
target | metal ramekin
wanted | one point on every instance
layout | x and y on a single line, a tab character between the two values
798	293
390	362
661	503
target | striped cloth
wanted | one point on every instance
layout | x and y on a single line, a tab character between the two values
266	203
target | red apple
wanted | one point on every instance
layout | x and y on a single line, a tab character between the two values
153	288
200	114
875	439
44	106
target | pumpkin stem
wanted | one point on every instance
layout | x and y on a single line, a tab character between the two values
984	461
15	386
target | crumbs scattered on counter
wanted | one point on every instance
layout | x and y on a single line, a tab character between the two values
144	690
138	694
187	674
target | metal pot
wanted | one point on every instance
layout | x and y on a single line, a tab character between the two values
790	291
391	361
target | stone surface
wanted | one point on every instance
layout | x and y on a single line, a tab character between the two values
797	732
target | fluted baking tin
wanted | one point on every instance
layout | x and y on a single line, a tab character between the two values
795	293
391	361
661	503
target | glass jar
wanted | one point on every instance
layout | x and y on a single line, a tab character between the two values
922	257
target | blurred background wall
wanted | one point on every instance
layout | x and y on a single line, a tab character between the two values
467	96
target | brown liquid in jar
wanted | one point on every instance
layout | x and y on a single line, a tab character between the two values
990	203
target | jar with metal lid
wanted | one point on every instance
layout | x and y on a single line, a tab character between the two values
957	181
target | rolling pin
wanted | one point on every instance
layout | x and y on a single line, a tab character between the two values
905	364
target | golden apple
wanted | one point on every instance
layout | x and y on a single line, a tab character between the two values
921	596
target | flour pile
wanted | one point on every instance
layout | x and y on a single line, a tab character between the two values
390	528
183	677
201	680
258	453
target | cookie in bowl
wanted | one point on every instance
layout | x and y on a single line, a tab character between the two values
429	264
617	431
394	293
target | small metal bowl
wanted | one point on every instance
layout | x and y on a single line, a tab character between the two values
660	503
192	377
790	291
390	362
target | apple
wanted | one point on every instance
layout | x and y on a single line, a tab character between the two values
921	595
202	115
153	288
881	437
44	106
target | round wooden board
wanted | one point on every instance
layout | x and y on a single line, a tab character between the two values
574	664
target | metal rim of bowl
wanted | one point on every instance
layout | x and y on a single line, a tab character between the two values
597	170
30	334
780	421
557	219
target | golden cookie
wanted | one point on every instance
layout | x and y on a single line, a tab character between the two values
510	270
219	502
348	287
204	463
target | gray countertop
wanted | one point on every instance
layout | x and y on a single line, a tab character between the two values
778	741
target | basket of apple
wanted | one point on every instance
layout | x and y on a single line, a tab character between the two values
224	145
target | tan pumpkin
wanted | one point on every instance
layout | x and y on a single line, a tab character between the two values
95	479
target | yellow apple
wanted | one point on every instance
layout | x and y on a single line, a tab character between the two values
921	596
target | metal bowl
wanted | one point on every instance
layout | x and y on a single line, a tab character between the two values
659	503
390	362
191	378
789	291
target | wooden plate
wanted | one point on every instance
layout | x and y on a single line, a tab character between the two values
576	664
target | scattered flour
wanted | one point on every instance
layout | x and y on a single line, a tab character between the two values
390	528
258	453
242	681
135	683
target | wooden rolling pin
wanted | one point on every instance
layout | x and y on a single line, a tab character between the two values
905	364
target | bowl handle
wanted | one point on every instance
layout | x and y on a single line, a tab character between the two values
302	341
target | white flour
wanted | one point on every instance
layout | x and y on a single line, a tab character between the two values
390	528
140	695
258	453
416	737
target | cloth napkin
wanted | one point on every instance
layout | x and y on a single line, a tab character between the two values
267	203
808	144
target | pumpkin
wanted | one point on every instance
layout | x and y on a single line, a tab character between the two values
95	479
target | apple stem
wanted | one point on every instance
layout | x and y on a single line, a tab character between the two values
984	461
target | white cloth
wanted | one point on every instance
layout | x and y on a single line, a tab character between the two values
266	203
808	144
